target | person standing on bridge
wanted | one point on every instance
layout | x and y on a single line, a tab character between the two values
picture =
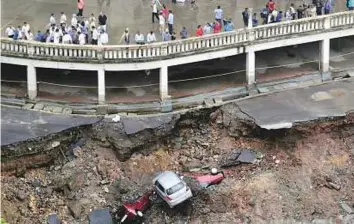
199	31
245	16
271	6
80	7
63	19
154	13
327	7
170	22
219	14
125	37
10	30
350	4
162	22
102	21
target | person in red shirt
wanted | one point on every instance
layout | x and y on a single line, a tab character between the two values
164	11
217	27
80	7
199	31
271	5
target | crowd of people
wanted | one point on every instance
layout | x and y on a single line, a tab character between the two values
87	30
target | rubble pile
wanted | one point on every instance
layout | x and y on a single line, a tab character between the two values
116	160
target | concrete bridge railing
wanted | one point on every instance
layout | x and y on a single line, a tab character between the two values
170	49
163	55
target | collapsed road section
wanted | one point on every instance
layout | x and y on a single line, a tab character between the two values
87	173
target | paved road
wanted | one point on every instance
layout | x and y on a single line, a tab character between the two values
20	125
281	110
135	14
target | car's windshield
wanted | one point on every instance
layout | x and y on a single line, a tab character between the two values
175	188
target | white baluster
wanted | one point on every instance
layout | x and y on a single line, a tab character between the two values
148	52
130	53
158	53
120	54
174	48
56	51
183	47
115	54
144	52
153	51
178	49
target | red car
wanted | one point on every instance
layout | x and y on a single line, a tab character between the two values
134	210
210	179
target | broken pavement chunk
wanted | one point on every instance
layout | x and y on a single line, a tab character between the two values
237	157
100	216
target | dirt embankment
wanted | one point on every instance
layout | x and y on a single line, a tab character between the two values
302	173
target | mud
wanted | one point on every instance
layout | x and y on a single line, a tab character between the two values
304	173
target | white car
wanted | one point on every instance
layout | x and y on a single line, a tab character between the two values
172	188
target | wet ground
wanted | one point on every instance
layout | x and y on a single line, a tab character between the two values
135	14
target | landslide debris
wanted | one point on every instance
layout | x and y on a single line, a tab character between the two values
302	173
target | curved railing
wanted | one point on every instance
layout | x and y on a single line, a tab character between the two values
171	49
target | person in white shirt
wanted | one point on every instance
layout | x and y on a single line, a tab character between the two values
92	22
74	21
57	36
29	35
82	38
52	20
62	19
10	30
154	12
67	39
139	38
162	22
103	38
94	37
25	29
170	22
150	37
20	34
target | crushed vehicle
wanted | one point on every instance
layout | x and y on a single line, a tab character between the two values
216	177
172	188
133	210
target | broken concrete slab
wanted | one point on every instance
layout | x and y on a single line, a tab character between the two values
246	156
134	125
237	157
100	216
38	106
28	106
53	219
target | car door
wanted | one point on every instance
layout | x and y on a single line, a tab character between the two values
159	189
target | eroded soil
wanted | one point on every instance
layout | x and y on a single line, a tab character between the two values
304	173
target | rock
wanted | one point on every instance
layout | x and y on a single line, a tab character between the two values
277	161
75	209
347	208
195	164
76	181
77	151
333	186
100	216
55	144
21	195
104	182
53	219
178	145
56	168
106	189
178	139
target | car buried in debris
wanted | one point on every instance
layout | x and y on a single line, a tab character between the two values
172	188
